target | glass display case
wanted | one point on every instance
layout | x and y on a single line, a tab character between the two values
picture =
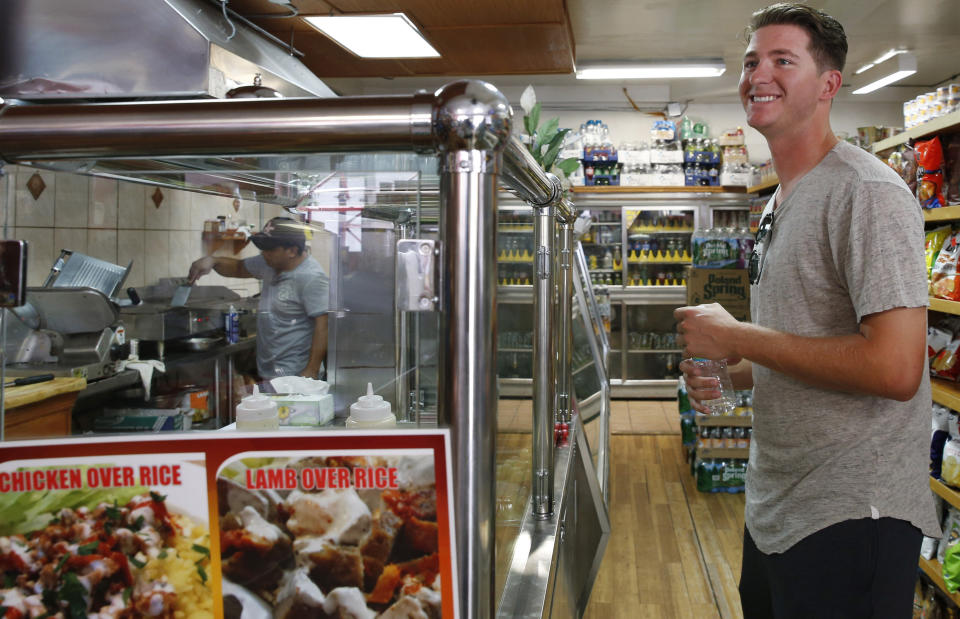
410	256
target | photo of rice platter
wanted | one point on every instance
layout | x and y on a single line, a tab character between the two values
106	537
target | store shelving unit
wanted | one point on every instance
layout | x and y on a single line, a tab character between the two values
946	123
946	393
765	186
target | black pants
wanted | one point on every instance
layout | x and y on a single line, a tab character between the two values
853	569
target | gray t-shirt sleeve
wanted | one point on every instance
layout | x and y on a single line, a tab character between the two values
315	292
877	246
257	266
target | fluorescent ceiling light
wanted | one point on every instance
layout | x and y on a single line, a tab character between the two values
886	73
887	56
668	69
375	36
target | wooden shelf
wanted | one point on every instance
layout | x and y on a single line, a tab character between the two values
659	189
947	307
725	421
946	213
770	184
947	393
945	492
931	126
933	569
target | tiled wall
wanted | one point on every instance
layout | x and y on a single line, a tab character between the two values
118	222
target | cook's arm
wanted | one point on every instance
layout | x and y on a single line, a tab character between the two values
318	347
228	267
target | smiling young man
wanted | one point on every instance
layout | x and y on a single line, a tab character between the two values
837	492
292	313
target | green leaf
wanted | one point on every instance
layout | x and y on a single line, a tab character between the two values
569	165
553	149
528	125
202	572
140	564
534	119
88	549
158	498
63	560
127	594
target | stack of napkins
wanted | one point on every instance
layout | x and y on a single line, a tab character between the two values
302	401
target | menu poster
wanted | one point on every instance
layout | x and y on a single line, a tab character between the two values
298	524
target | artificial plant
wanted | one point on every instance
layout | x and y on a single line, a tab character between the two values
545	141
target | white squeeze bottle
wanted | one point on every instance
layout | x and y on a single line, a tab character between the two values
371	411
257	412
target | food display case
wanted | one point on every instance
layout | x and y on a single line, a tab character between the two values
413	279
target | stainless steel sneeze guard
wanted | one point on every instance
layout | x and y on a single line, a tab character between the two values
468	124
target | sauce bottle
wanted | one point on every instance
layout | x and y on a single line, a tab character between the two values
371	411
257	412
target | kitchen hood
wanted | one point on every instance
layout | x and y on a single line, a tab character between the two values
138	49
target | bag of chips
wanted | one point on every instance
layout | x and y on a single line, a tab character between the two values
945	277
934	242
930	173
947	365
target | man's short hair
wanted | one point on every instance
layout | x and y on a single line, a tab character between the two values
828	41
281	232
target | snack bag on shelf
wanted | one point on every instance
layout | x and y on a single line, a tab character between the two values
938	338
951	565
951	167
909	173
939	436
944	277
951	530
934	242
950	471
928	547
947	364
930	173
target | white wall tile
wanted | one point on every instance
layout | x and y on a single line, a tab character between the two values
131	245
74	239
184	249
102	244
103	203
156	256
40	253
35	213
156	218
72	200
132	198
180	206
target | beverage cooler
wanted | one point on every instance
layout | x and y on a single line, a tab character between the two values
413	294
637	251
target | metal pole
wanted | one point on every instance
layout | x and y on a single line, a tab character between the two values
544	384
564	313
472	122
215	127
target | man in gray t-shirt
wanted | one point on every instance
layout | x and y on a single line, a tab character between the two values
292	314
836	492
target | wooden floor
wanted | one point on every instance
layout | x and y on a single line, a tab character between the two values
673	551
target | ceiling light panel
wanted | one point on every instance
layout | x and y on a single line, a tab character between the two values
375	36
651	70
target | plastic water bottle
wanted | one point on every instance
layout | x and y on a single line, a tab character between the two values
727	402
